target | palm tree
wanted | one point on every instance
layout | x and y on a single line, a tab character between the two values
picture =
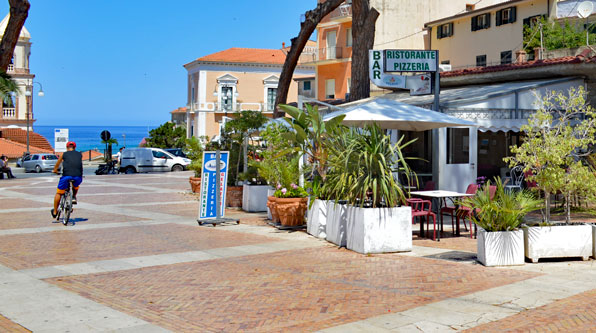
8	88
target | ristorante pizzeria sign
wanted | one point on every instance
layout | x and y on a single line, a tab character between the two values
411	60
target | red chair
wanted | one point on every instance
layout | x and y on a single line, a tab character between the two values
424	208
412	203
450	210
466	212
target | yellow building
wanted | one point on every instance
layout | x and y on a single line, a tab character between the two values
235	80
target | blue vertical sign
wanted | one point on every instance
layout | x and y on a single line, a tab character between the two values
209	183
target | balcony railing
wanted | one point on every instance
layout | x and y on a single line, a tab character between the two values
10	68
327	53
9	113
343	11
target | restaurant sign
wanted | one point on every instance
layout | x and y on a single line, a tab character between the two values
411	60
417	84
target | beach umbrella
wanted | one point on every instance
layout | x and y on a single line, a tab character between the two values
391	114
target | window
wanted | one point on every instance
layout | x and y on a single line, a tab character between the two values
481	60
330	89
481	22
505	57
445	62
271	95
158	154
306	85
458	143
349	37
226	98
35	157
505	16
349	87
532	21
445	30
192	95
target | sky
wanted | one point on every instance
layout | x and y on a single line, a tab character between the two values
115	62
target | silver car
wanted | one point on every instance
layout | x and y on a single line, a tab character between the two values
40	162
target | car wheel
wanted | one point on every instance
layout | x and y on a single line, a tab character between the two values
177	167
130	170
38	169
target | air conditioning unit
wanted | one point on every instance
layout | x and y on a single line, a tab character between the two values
444	68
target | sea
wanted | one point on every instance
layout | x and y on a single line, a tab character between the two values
88	137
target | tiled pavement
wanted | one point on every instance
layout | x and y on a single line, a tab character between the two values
136	261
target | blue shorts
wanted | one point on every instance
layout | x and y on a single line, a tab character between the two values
63	183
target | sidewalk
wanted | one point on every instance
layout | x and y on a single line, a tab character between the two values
137	261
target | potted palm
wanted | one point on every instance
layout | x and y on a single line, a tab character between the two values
361	171
500	241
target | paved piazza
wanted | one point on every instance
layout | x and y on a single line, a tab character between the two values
136	261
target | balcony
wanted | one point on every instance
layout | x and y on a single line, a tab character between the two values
341	13
327	54
9	113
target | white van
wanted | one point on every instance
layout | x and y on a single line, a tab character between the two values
150	160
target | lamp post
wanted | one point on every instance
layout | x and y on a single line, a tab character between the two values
29	93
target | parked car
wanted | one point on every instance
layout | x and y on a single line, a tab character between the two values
39	162
176	152
151	159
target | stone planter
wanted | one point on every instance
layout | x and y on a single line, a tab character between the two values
379	230
558	241
195	184
272	209
316	220
234	196
270	193
291	211
336	223
254	198
500	248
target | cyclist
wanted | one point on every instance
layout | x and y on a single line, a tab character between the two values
72	169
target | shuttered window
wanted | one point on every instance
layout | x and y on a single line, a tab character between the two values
505	16
445	30
481	22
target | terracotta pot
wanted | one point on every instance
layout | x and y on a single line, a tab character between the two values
195	184
291	210
234	196
272	204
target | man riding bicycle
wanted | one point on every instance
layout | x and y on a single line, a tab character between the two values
72	169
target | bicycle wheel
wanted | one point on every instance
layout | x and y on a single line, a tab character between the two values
67	207
60	208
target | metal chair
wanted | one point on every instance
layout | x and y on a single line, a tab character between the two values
450	210
517	177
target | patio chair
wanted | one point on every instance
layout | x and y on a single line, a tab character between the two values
466	212
412	203
423	208
517	177
450	210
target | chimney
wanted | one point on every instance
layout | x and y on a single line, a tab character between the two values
521	56
538	53
283	45
470	7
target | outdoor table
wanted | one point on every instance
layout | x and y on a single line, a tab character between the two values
439	194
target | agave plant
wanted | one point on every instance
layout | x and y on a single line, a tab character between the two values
362	167
505	211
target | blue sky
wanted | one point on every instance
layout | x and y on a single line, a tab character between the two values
115	62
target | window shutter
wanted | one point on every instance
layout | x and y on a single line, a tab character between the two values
488	20
513	15
526	22
474	23
498	18
438	32
450	29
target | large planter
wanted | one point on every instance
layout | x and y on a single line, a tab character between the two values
316	221
594	241
195	184
272	208
500	248
291	211
270	193
336	223
558	241
234	196
379	230
254	198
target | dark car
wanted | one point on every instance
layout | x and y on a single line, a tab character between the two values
176	152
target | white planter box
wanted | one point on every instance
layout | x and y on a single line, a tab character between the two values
336	224
254	198
594	241
379	230
558	241
270	193
500	248
317	219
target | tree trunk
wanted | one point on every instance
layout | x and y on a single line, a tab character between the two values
19	10
364	19
547	206
312	18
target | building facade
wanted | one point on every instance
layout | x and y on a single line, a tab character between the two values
400	26
18	108
234	80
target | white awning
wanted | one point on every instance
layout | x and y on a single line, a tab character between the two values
504	125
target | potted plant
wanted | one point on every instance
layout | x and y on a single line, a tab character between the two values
362	163
309	138
500	241
291	204
558	138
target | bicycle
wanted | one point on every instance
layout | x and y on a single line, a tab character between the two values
65	206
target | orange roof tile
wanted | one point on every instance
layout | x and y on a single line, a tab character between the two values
19	135
246	55
179	110
14	149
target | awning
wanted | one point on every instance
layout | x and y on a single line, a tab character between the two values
504	125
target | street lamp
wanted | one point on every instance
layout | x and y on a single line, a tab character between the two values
29	94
